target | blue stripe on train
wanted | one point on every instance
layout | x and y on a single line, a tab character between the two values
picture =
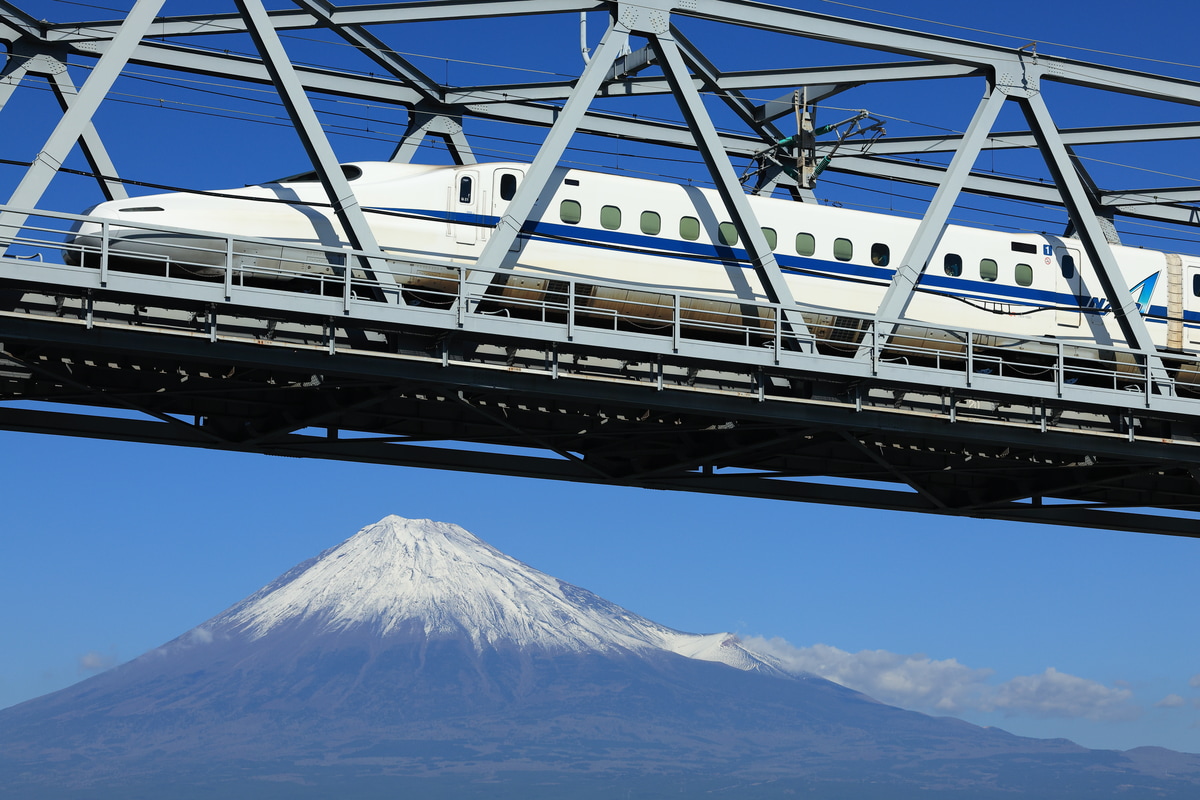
799	265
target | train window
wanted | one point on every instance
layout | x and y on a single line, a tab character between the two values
689	228
351	173
508	186
610	217
952	265
570	212
651	223
843	249
988	270
1067	266
1024	275
771	237
727	233
1196	285
806	244
880	254
464	189
1024	247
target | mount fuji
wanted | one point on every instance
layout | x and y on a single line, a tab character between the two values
415	660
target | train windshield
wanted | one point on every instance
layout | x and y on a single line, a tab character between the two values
349	170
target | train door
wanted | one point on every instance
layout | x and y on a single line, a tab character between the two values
464	201
504	187
1191	303
1069	285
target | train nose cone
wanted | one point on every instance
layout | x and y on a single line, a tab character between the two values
84	239
83	236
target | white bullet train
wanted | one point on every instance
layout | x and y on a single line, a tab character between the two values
651	235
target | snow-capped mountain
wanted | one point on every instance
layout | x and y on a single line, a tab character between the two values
400	574
414	660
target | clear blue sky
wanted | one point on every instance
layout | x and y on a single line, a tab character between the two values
110	549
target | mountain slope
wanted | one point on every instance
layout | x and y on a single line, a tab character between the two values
414	652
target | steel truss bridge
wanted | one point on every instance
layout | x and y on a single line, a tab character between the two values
761	405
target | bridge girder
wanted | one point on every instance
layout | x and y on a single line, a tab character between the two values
398	396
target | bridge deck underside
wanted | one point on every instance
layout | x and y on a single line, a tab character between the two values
463	401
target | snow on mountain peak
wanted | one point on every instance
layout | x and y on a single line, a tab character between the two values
400	574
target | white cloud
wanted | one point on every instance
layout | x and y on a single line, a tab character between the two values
1194	682
949	687
93	661
1057	694
196	637
914	681
1171	701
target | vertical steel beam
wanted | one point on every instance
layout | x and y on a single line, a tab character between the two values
312	135
727	183
24	60
1103	216
77	118
424	122
19	20
456	142
437	123
736	100
15	70
916	258
89	141
536	180
774	176
375	49
744	108
1095	244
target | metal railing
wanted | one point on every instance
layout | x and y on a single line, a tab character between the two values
419	283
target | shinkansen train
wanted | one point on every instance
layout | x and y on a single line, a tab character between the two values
650	237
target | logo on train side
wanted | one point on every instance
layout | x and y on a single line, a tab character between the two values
1142	292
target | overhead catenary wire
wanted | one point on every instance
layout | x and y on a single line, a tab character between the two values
281	121
943	129
1011	36
341	130
988	222
1024	38
176	81
84	27
356	117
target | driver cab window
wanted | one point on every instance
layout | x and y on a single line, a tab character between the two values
508	186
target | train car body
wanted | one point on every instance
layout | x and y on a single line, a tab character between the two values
651	237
